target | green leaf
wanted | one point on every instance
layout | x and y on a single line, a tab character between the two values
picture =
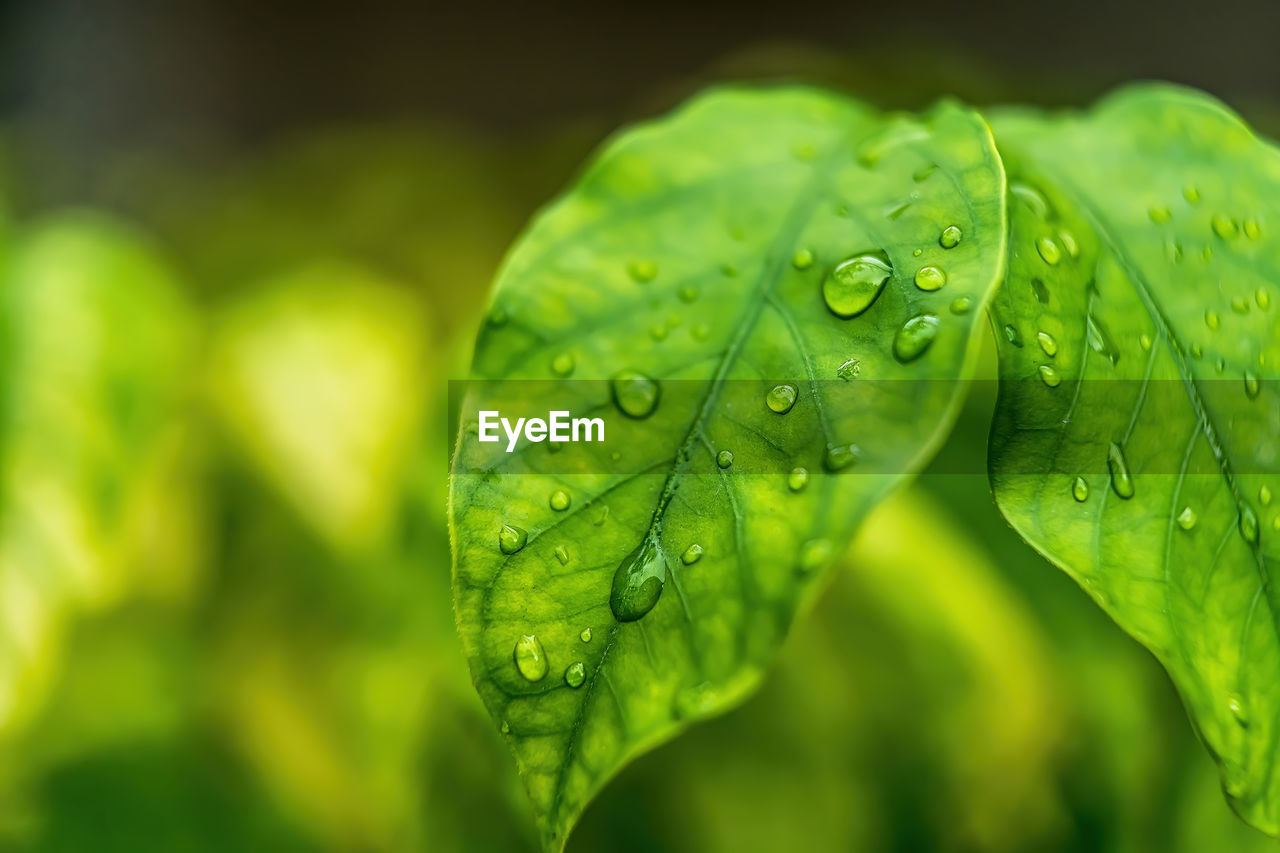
689	263
1136	445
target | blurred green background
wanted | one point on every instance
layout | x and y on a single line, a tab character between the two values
225	617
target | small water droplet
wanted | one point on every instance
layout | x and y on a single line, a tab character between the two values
1041	291
642	271
950	238
1262	298
635	394
692	554
1224	226
797	479
638	581
562	554
897	211
1248	524
530	658
802	259
498	318
1012	335
781	398
560	500
1173	251
930	278
575	674
1100	340
1236	707
724	458
511	538
658	332
1264	495
1252	387
700	332
915	253
1252	229
1068	241
585	636
602	517
1048	250
728	270
1240	305
813	554
915	336
923	172
505	727
1211	320
1196	351
687	294
1118	466
1207	253
1144	341
840	456
1050	376
1080	490
1191	194
855	283
563	364
1047	343
1160	214
849	369
1187	518
1031	197
961	305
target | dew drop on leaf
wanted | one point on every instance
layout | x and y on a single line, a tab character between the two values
559	500
930	278
642	271
531	659
700	332
562	554
1047	343
1160	214
813	554
950	237
1211	320
961	305
840	456
1068	241
585	635
849	369
1050	376
781	398
1264	495
914	337
1012	335
1252	386
1187	518
1191	194
511	538
1240	305
688	294
692	554
802	259
855	283
563	364
575	674
1251	229
638	581
1248	524
1144	341
1118	466
1048	250
635	394
1080	490
724	458
1224	226
797	479
1031	197
1100	340
1041	291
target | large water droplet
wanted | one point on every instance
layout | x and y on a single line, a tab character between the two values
585	636
840	456
1187	518
635	394
531	659
642	271
692	554
638	581
1048	250
1121	481
781	398
797	479
802	259
724	458
1252	387
575	674
930	278
855	283
961	305
950	238
1047	343
1068	241
849	369
563	364
511	538
914	337
1080	490
559	500
1050	375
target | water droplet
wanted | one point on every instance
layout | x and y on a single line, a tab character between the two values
642	271
1252	387
950	238
1160	214
915	253
1187	518
1264	495
930	278
1080	490
849	369
562	554
1050	376
724	458
1240	305
1236	707
1047	343
1121	482
840	456
781	398
728	270
575	674
1100	340
602	517
563	364
813	554
1252	229
961	305
1191	194
505	727
1012	335
897	211
688	294
531	659
802	259
1173	251
797	479
1211	319
1068	241
1224	226
560	500
1196	351
638	581
555	446
914	337
1207	253
498	318
1248	524
1048	250
923	172
855	283
635	394
1262	298
1144	341
1040	290
585	636
511	538
658	332
1221	365
1031	197
700	332
692	554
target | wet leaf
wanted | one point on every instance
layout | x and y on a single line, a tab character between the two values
703	288
1139	450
